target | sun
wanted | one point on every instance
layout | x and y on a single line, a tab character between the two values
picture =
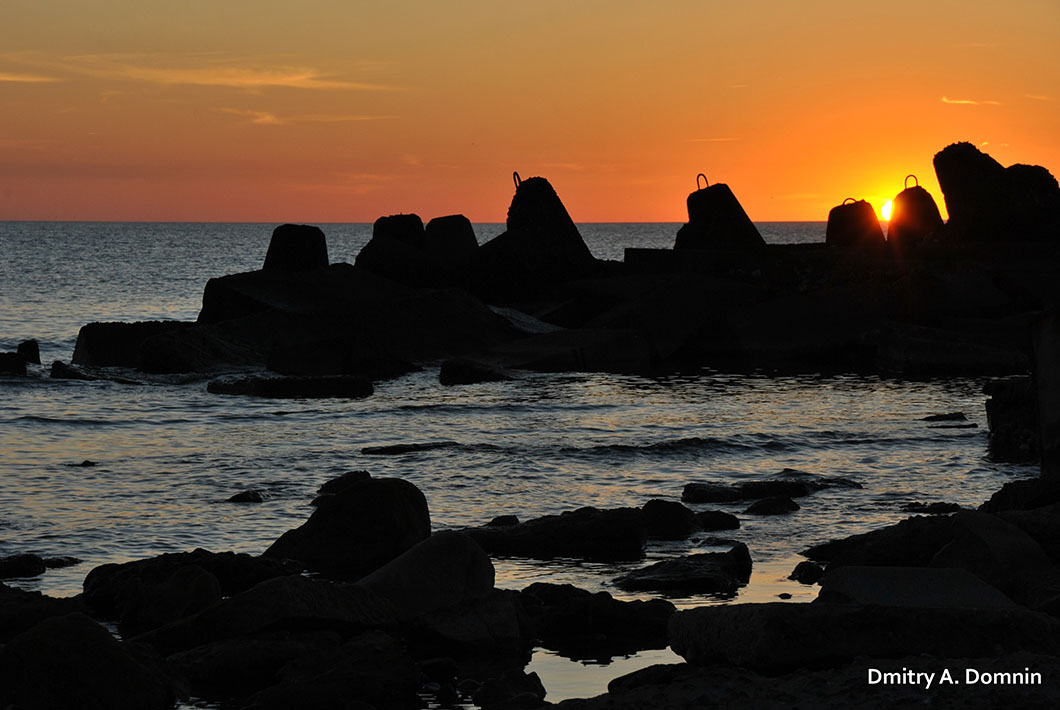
885	211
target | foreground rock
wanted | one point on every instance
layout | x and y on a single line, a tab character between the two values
73	663
774	505
912	542
993	550
327	386
682	686
358	530
118	344
462	371
582	625
773	637
1012	413
707	573
20	610
669	520
917	587
12	364
587	533
793	484
25	565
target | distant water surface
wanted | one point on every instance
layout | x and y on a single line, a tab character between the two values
168	455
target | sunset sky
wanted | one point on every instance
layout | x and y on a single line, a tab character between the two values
339	111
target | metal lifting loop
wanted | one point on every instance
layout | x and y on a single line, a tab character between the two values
706	183
518	180
850	199
916	183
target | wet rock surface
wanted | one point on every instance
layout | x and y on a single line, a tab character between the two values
587	533
707	573
794	485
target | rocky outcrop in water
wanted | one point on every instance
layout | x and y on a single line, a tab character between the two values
587	533
706	573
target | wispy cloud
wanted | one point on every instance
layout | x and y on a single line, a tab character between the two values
711	140
27	78
1038	97
348	183
975	45
269	118
969	102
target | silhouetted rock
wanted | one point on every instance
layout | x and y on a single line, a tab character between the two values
581	350
107	588
1012	413
358	530
669	520
12	364
581	625
997	552
239	667
247	497
989	203
774	505
541	246
915	218
296	247
30	351
1045	338
61	371
85	463
706	573
73	663
780	636
717	221
913	542
854	225
461	371
397	251
61	562
398	449
187	591
947	417
1025	494
1042	524
711	520
503	521
294	603
796	485
118	344
372	669
336	356
341	483
807	572
514	690
21	610
445	570
588	533
916	587
25	565
323	386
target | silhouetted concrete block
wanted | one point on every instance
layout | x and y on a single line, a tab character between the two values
296	247
30	351
915	217
854	224
716	220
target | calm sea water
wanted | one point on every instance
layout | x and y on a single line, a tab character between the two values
169	455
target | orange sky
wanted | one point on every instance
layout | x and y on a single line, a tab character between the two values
339	111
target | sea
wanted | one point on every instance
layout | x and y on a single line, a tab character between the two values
168	455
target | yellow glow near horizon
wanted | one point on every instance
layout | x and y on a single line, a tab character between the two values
885	211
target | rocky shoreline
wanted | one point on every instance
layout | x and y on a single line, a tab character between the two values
366	606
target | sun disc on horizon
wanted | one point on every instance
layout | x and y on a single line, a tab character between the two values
885	211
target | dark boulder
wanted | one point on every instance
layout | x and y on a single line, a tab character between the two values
511	691
358	530
1025	494
445	570
990	203
915	218
996	551
247	497
400	449
294	603
118	344
717	221
1042	524
669	520
541	247
21	610
372	669
61	371
503	521
707	573
336	356
340	483
12	364
781	636
915	587
854	225
30	351
913	542
296	247
583	625
184	593
588	533
931	508
73	663
1012	414
711	520
319	387
462	371
795	485
807	572
107	587
774	505
25	565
